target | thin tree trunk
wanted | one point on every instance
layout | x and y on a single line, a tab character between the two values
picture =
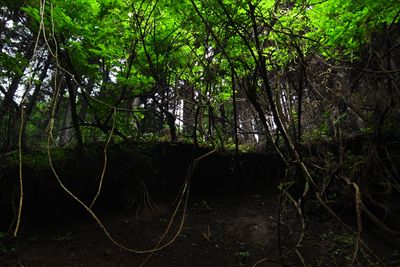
235	122
33	99
74	114
8	100
196	122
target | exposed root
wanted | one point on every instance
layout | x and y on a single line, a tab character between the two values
296	204
103	172
348	228
145	200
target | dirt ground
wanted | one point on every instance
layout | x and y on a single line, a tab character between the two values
217	232
231	217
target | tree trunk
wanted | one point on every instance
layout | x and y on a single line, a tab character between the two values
189	109
74	114
8	100
33	99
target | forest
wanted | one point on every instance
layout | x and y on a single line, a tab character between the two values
199	133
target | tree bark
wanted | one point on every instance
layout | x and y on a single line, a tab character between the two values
8	100
33	99
74	114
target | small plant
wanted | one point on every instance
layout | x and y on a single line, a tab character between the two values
244	256
63	238
345	239
6	245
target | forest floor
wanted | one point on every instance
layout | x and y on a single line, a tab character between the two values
229	221
218	231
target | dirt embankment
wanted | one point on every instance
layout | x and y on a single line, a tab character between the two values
233	216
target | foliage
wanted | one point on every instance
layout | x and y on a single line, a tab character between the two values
149	59
349	24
